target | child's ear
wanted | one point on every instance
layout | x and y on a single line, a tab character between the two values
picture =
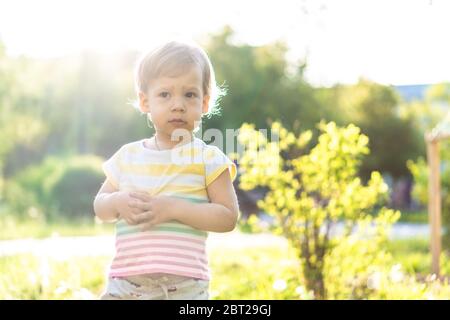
205	105
143	102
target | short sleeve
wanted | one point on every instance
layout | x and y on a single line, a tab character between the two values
112	167
216	162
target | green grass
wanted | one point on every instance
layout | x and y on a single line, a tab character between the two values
414	216
414	255
34	228
250	273
32	277
234	275
237	273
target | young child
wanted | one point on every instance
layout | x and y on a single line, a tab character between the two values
166	192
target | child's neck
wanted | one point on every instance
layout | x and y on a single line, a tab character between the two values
164	142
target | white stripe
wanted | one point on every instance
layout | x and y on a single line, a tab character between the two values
160	191
146	181
188	157
123	225
186	196
160	266
164	234
193	254
148	260
110	167
162	242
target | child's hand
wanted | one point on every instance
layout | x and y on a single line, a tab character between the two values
122	203
153	209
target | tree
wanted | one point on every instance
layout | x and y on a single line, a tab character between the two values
259	85
426	116
17	123
374	108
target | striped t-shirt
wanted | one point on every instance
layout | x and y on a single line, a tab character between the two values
183	172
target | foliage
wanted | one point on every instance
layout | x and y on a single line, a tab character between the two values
374	108
18	123
74	189
57	186
419	170
427	115
308	194
260	87
351	264
78	99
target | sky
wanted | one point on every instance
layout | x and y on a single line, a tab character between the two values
394	42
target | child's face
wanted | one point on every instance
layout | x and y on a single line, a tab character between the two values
179	97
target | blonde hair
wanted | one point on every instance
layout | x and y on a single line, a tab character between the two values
173	58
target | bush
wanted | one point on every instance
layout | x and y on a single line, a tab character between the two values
59	186
28	188
307	195
73	190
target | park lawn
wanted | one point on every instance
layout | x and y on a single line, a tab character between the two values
414	216
234	275
34	228
256	272
415	257
12	228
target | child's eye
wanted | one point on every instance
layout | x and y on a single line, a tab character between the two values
191	95
164	94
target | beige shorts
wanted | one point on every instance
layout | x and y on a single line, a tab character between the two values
156	287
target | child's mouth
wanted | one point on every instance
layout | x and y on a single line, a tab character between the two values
177	121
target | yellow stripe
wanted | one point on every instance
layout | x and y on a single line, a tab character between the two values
181	190
219	170
163	169
110	177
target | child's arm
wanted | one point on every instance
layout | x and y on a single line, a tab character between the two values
110	204
218	216
104	206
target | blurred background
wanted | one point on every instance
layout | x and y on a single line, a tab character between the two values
66	83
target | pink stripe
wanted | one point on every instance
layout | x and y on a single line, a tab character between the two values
167	262
157	237
162	246
158	270
149	254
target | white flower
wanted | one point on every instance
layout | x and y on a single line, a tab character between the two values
303	294
431	277
279	285
32	278
396	275
84	294
429	296
374	281
214	293
300	290
62	288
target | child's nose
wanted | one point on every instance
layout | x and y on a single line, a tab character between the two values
178	105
